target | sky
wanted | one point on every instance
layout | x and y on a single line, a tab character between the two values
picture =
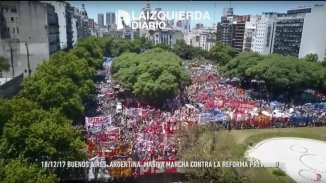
214	8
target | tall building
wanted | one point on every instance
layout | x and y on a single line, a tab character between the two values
262	38
110	19
250	27
30	31
287	36
288	31
230	31
238	31
205	38
313	33
91	26
100	20
199	26
60	9
83	18
228	12
71	26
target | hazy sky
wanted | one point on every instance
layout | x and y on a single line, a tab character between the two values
214	8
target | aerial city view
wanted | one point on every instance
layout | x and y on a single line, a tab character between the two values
163	91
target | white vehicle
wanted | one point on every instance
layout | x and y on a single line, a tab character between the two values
119	108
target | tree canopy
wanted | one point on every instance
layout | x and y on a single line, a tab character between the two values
19	170
37	124
188	52
114	46
281	73
153	76
312	57
221	53
4	65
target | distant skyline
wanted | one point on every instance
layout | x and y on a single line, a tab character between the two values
214	8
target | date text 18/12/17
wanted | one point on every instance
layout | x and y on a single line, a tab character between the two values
72	164
53	164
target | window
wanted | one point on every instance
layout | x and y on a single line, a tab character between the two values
13	30
13	10
12	19
17	30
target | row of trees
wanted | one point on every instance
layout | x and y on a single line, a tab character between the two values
281	73
152	76
37	124
219	53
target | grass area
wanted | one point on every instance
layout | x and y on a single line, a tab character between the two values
244	138
254	136
206	144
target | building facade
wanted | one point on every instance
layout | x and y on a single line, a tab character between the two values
262	37
91	26
110	19
287	36
250	27
313	39
29	35
100	20
60	9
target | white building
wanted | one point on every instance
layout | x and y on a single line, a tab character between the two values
250	27
74	29
60	9
313	34
24	41
201	38
263	34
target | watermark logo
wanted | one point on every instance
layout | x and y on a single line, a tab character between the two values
157	19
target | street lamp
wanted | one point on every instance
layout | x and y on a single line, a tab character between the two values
12	61
28	63
260	84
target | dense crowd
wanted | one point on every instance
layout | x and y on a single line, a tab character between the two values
124	128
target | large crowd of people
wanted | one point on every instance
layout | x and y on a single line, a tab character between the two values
124	128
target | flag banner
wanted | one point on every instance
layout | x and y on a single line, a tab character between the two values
134	112
108	135
97	121
171	126
96	124
113	130
231	103
246	105
261	120
155	128
205	117
279	119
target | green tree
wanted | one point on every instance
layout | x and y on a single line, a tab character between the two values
281	73
221	53
312	57
4	65
153	76
183	50
18	170
38	135
201	143
163	46
239	65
